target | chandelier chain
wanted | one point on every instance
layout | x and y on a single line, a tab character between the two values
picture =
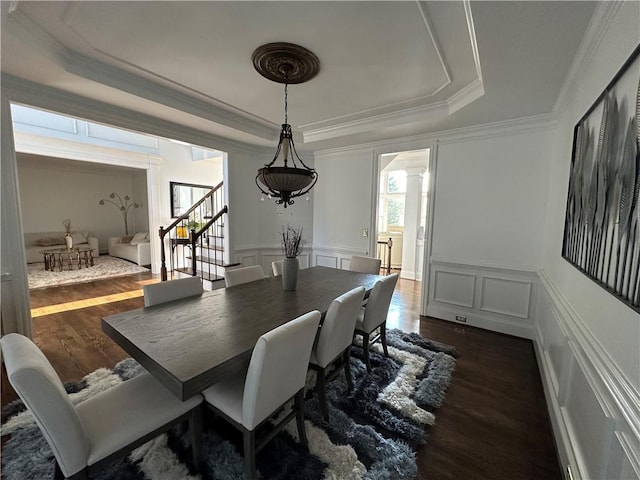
286	101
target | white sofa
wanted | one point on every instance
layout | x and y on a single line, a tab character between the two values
34	243
139	253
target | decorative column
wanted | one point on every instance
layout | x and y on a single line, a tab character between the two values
412	204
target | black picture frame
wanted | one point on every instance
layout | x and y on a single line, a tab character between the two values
602	219
184	195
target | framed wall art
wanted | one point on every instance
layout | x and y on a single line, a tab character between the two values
602	221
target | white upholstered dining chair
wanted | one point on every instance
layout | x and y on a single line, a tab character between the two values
276	374
89	435
162	292
365	265
238	276
373	316
276	267
333	346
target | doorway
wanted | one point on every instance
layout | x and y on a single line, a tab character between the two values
402	211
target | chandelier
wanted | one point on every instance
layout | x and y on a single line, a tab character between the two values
289	64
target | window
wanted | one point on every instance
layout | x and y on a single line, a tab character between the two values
393	186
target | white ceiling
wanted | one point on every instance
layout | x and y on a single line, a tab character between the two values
387	69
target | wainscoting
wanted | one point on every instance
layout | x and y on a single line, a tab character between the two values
335	257
595	412
496	298
264	257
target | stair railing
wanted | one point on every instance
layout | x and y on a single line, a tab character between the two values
384	254
202	220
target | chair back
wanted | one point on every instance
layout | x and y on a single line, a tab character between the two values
365	265
375	313
241	275
336	332
39	387
278	367
277	267
163	292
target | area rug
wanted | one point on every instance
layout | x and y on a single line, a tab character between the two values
104	267
372	433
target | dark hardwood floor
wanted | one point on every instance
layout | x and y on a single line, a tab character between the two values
493	424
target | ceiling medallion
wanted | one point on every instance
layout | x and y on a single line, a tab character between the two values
289	64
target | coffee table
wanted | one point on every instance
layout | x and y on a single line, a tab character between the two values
57	257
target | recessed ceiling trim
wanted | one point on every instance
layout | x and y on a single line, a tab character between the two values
37	95
464	97
129	82
22	26
72	8
436	45
385	120
472	37
333	128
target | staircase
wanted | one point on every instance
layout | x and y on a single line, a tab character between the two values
193	245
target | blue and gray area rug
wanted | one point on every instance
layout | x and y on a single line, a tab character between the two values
372	433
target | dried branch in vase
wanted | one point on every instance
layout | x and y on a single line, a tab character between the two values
292	241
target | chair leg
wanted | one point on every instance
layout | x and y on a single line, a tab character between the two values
383	338
250	453
81	475
365	346
196	436
347	367
299	406
57	473
320	387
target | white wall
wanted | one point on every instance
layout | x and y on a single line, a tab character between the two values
177	165
342	207
491	199
588	342
52	190
255	225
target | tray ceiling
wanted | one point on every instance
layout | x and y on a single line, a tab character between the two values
387	69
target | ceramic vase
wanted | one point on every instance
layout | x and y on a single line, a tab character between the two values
290	268
69	241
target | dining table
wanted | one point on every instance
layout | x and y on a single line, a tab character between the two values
192	343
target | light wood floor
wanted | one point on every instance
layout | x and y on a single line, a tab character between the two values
493	424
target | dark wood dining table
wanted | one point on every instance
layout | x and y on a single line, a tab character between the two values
192	343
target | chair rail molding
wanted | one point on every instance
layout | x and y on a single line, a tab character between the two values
496	297
264	255
594	408
335	257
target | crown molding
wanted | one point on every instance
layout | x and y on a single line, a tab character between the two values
36	95
596	31
21	26
488	130
148	86
384	120
464	97
141	87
